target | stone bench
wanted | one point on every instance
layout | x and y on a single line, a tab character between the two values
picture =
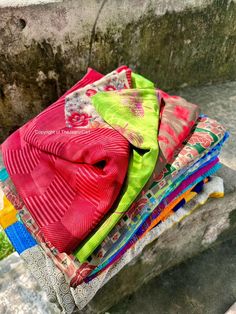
209	224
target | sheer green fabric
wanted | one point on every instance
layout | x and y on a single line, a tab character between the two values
135	114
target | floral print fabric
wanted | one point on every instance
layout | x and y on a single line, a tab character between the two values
162	185
84	293
111	104
74	271
134	114
126	111
79	112
57	171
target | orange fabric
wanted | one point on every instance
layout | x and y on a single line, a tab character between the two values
7	214
188	196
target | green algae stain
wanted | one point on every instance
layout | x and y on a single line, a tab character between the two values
191	47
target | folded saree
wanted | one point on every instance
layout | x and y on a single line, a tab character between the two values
131	104
130	238
130	113
50	279
53	282
163	184
74	271
86	291
56	172
44	147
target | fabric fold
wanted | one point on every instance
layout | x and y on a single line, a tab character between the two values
134	113
68	179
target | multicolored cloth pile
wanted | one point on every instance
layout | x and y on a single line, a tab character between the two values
101	173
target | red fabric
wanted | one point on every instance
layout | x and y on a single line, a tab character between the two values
68	181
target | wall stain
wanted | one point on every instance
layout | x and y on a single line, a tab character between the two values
192	47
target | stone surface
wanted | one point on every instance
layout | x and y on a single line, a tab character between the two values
210	225
19	292
45	49
204	284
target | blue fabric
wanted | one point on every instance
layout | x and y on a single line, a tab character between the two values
3	174
202	162
20	237
104	264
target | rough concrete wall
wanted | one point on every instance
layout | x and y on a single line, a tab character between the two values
45	49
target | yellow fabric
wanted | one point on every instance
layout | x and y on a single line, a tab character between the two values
217	195
7	214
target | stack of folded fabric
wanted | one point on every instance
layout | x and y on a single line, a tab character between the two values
100	174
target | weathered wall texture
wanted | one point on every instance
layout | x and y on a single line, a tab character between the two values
45	49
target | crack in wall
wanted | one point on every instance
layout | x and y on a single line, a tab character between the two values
94	30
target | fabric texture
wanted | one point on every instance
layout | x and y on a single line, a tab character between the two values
51	280
80	112
126	111
163	184
74	271
5	245
43	158
163	215
134	114
49	277
7	213
15	230
19	236
98	175
130	237
84	293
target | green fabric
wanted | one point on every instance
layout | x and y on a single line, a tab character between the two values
138	81
135	114
5	245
